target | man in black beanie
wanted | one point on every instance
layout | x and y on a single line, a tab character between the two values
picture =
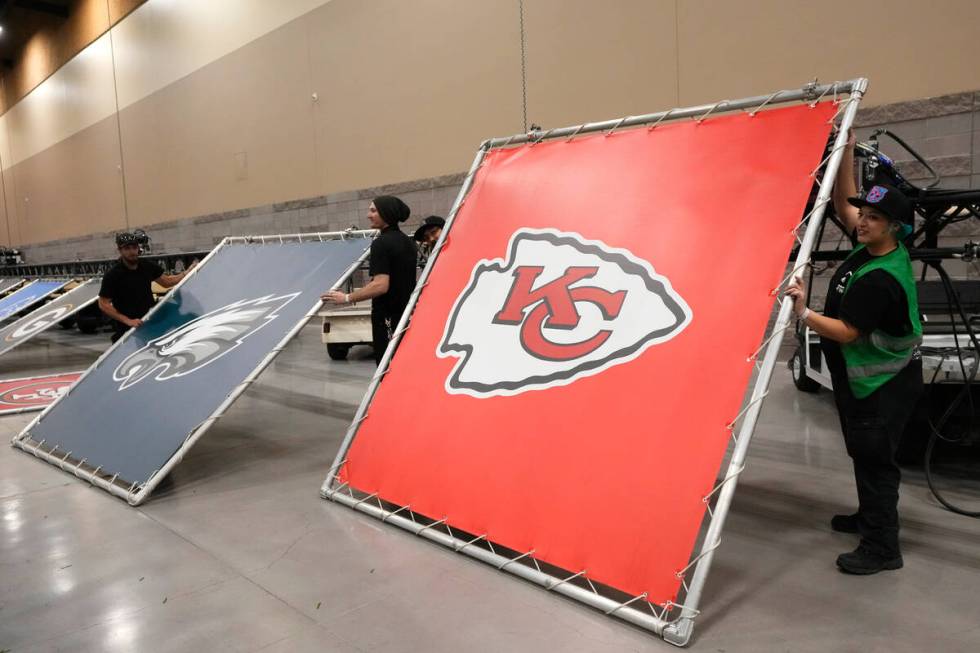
392	270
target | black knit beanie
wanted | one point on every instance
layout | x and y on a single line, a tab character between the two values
391	209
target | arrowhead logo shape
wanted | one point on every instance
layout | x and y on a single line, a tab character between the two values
557	309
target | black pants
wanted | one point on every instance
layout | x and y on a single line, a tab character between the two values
381	328
872	428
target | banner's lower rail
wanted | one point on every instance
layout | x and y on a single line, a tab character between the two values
23	409
574	586
66	462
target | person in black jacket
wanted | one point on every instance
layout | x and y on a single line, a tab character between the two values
125	294
869	331
392	269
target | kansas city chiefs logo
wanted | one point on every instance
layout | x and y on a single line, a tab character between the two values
42	322
559	308
199	342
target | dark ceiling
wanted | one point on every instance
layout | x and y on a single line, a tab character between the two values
21	19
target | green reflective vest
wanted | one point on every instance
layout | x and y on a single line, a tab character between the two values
874	359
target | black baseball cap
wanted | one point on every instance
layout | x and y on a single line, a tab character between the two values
126	238
428	223
889	201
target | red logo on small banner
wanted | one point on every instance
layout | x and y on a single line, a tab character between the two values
21	393
560	307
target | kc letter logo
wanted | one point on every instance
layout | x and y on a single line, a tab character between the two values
559	308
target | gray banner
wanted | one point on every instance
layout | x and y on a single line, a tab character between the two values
48	315
134	409
8	283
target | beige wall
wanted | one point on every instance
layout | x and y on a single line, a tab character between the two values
79	95
592	60
236	133
375	122
907	48
57	41
187	108
166	40
60	152
73	188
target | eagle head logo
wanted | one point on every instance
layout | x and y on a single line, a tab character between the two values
200	342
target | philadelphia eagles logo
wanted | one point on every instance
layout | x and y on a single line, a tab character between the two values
199	342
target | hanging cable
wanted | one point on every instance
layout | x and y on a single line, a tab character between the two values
968	379
520	4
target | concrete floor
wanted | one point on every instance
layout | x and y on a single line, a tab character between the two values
241	554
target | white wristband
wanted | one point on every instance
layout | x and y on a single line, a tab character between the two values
805	314
347	298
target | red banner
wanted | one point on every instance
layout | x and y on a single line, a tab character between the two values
20	394
569	372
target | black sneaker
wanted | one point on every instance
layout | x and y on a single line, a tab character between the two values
863	562
844	523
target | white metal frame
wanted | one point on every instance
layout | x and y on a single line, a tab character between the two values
675	627
29	409
136	492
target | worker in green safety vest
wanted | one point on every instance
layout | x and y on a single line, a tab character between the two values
870	331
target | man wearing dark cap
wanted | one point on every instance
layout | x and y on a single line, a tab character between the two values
430	230
125	294
427	235
392	270
869	333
